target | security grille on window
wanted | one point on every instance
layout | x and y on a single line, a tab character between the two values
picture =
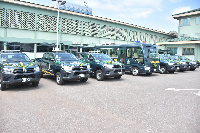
188	51
185	21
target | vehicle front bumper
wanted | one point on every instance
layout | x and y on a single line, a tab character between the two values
112	72
193	66
74	75
171	68
20	78
183	66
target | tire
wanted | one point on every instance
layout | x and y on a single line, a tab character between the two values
135	71
171	71
3	86
41	73
99	75
163	70
59	79
118	77
84	79
192	69
35	84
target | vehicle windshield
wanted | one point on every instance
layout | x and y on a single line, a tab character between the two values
102	57
174	58
153	55
164	57
65	57
14	57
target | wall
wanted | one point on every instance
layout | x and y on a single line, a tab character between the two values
191	29
39	26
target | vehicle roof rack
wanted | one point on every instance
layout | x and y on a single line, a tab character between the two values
10	51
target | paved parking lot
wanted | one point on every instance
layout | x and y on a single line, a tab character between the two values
168	103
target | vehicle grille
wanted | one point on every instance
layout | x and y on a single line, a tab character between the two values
28	70
24	76
116	66
80	68
77	73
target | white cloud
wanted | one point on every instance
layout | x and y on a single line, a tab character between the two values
180	10
127	8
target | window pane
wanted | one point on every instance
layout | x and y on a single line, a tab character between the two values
188	21
192	51
184	51
197	20
128	51
188	51
175	51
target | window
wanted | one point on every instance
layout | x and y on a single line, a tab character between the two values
185	21
137	54
197	34
188	51
198	20
173	51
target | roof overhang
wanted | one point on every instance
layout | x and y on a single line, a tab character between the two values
34	5
180	42
177	16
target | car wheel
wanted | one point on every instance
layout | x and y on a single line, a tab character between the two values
163	70
171	71
118	77
84	79
3	86
135	71
99	75
59	79
192	69
41	73
35	84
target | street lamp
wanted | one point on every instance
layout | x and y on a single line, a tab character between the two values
62	3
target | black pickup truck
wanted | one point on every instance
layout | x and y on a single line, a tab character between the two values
102	65
16	68
64	66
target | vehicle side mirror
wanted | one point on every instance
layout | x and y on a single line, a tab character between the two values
91	59
33	60
146	60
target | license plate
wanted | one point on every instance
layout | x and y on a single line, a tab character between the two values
82	75
23	79
178	68
154	69
119	72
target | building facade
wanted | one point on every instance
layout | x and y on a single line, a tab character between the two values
33	28
188	42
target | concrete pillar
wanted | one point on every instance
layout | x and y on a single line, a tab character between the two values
35	50
5	46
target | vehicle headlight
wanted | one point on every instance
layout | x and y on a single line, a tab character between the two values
88	67
37	69
108	66
8	70
183	63
170	63
67	68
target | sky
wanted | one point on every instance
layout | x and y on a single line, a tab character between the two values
153	14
